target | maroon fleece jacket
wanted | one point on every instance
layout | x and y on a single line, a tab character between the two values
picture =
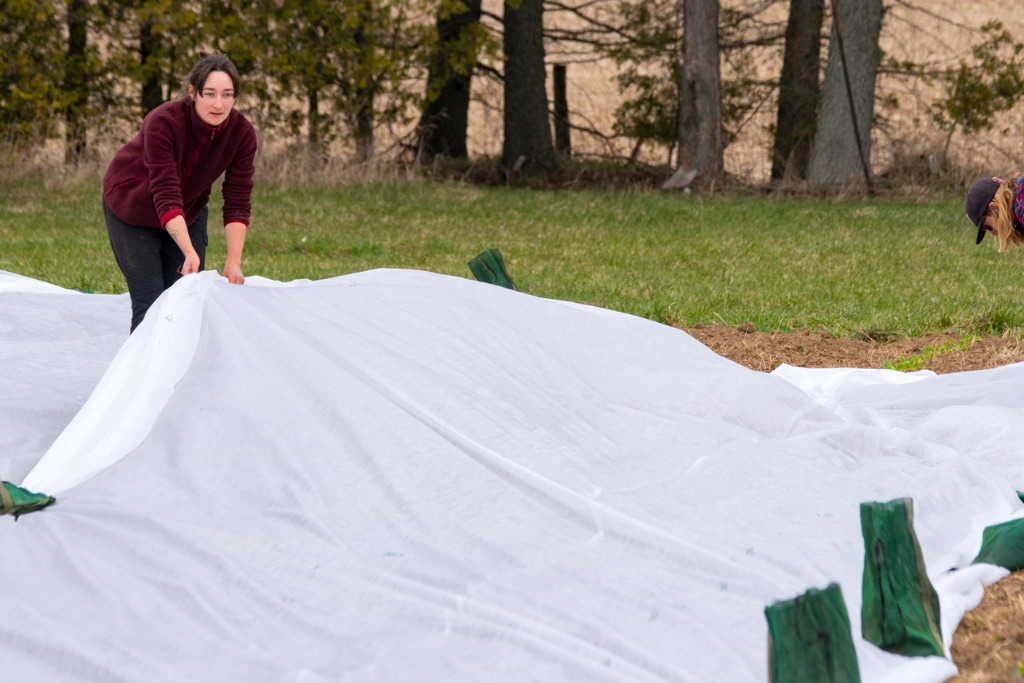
169	168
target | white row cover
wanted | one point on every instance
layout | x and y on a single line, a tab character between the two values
404	476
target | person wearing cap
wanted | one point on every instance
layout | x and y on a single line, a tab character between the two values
997	206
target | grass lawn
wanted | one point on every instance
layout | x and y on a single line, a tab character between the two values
858	267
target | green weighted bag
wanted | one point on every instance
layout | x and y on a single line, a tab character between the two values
809	639
899	606
488	266
16	501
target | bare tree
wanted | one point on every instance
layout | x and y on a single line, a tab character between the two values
799	90
842	143
75	76
527	128
445	118
151	92
700	98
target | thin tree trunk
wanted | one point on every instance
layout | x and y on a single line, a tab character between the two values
700	101
365	94
799	90
151	94
364	126
527	128
563	135
838	146
75	82
313	121
445	119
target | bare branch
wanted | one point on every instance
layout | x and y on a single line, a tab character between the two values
934	15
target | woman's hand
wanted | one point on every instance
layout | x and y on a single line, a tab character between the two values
178	231
233	273
191	264
234	235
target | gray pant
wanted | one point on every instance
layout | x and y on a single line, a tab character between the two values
149	258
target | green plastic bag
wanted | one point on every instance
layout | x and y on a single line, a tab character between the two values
488	266
899	607
16	501
1003	545
809	639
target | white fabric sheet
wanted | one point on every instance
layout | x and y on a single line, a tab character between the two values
403	476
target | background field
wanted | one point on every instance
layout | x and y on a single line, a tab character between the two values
862	268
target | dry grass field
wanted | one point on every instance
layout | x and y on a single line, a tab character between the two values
937	33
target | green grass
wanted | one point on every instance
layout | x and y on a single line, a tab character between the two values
870	268
919	360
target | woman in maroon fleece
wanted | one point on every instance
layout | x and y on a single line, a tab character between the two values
156	190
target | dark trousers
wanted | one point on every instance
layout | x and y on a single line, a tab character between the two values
149	258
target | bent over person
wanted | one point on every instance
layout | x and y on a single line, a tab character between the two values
156	189
997	206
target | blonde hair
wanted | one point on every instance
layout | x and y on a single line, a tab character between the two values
1007	236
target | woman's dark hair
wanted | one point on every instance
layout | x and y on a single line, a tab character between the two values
206	65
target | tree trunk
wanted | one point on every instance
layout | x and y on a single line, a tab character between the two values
445	119
842	150
798	90
527	128
563	134
700	99
152	95
75	77
365	94
313	121
364	125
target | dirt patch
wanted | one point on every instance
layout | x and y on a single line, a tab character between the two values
988	646
768	350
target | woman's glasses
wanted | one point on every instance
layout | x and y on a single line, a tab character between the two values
227	95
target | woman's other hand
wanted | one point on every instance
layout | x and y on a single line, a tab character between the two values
234	235
234	274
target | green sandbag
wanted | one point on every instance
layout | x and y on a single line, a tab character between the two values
1003	545
16	501
809	639
488	266
899	608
